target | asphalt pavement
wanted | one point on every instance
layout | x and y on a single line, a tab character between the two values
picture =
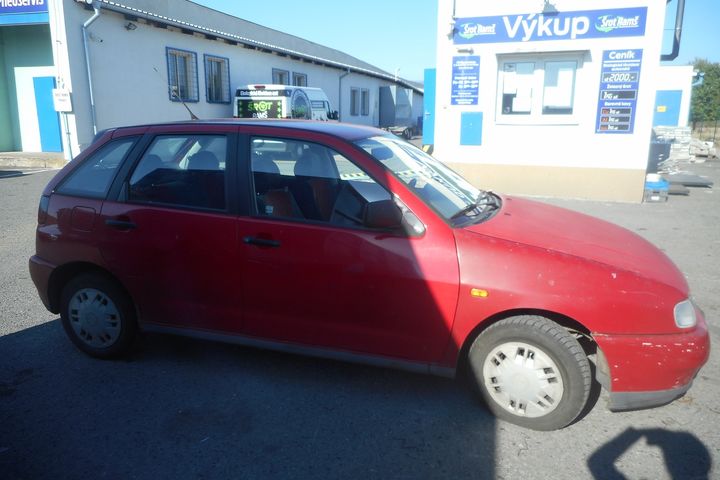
181	408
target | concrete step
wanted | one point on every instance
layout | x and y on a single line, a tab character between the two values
20	160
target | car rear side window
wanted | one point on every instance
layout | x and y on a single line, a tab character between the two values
183	171
94	176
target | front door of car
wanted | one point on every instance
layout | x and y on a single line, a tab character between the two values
316	274
171	235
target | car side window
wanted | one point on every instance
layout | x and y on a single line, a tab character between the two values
182	170
94	176
306	181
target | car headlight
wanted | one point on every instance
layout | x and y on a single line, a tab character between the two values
685	314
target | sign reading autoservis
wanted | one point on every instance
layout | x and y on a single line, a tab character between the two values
535	27
23	6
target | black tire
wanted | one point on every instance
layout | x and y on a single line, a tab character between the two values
98	316
539	347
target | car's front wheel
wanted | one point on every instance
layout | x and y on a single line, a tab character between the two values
98	315
531	372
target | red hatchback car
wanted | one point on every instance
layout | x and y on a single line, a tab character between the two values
346	242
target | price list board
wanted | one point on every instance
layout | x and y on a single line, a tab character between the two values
619	81
465	80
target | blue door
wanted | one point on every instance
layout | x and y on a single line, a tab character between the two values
667	108
48	120
429	107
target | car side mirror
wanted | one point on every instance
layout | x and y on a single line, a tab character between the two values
383	214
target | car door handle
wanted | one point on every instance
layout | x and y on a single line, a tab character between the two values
120	224
261	242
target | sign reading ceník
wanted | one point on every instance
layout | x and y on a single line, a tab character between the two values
23	6
619	82
535	27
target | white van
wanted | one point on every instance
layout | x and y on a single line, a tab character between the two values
282	101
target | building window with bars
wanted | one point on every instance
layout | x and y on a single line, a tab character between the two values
365	102
299	79
217	79
280	77
355	102
182	75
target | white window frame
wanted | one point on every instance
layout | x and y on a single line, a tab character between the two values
223	69
186	74
280	76
299	79
537	83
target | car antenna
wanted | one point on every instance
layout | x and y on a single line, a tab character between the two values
173	94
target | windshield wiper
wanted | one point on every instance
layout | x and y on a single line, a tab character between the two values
485	203
465	210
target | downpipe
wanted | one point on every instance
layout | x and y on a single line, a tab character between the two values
88	70
678	33
340	94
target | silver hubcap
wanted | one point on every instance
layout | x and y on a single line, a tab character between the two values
94	318
523	379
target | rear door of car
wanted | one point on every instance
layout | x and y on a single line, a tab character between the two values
169	228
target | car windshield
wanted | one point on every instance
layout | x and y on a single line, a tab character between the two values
450	195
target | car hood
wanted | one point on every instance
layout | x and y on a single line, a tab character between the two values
557	229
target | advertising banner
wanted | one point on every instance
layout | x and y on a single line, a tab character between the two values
248	108
536	27
465	80
23	6
23	12
619	82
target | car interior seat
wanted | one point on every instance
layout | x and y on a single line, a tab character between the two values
319	184
207	183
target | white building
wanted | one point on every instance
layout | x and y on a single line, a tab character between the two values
127	61
555	97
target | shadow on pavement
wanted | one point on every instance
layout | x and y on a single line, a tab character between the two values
685	456
182	408
11	173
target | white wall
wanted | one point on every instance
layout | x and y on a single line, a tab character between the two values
574	144
129	68
678	77
27	109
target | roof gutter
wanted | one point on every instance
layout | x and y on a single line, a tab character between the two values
88	70
678	33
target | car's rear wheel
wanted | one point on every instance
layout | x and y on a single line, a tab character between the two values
98	316
531	372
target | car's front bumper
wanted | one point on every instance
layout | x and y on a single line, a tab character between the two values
620	401
642	371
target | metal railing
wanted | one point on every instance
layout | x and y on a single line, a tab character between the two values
707	131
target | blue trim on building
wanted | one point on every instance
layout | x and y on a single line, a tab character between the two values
48	121
667	108
471	128
24	18
428	126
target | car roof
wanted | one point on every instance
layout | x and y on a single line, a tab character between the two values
346	131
